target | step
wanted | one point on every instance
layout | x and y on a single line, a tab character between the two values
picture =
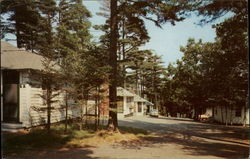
9	130
12	125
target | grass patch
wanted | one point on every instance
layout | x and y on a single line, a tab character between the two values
34	139
38	138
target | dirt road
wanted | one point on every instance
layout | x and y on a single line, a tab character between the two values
172	139
179	139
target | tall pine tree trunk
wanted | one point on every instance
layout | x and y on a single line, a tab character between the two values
123	54
86	107
96	107
136	81
99	107
82	109
49	91
245	116
231	114
112	122
66	112
226	115
222	121
18	39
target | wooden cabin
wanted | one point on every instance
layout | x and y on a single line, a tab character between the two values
21	90
234	115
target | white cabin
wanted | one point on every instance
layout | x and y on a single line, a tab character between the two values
130	104
21	102
235	115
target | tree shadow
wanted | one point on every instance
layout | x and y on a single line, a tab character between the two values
59	153
195	138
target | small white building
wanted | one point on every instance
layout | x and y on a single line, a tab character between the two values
235	115
21	90
130	104
140	105
125	105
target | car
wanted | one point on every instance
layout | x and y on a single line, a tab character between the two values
154	113
204	117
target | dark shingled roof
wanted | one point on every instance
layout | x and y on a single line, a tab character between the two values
15	58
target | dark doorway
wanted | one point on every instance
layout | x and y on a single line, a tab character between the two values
10	96
139	107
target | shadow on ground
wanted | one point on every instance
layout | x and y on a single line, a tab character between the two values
62	153
195	138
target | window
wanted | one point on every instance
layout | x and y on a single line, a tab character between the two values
238	112
129	99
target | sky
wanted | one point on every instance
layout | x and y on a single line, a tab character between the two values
165	41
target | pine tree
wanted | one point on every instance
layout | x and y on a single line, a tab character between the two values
22	21
135	11
80	59
46	47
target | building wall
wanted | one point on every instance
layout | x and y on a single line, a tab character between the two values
33	110
209	111
137	108
125	106
220	115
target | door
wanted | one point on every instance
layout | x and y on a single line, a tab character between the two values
10	96
139	107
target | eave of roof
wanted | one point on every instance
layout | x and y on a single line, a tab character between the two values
139	99
124	93
18	59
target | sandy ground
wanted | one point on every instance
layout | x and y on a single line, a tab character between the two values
172	139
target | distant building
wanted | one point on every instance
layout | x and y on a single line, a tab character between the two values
130	104
234	115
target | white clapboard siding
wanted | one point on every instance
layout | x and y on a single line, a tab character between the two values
23	102
36	112
220	112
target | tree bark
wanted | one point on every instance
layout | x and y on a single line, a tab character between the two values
96	106
112	122
222	121
226	115
48	107
86	107
66	112
231	114
123	54
245	116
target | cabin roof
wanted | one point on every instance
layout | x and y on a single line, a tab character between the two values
124	93
139	99
149	103
15	58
